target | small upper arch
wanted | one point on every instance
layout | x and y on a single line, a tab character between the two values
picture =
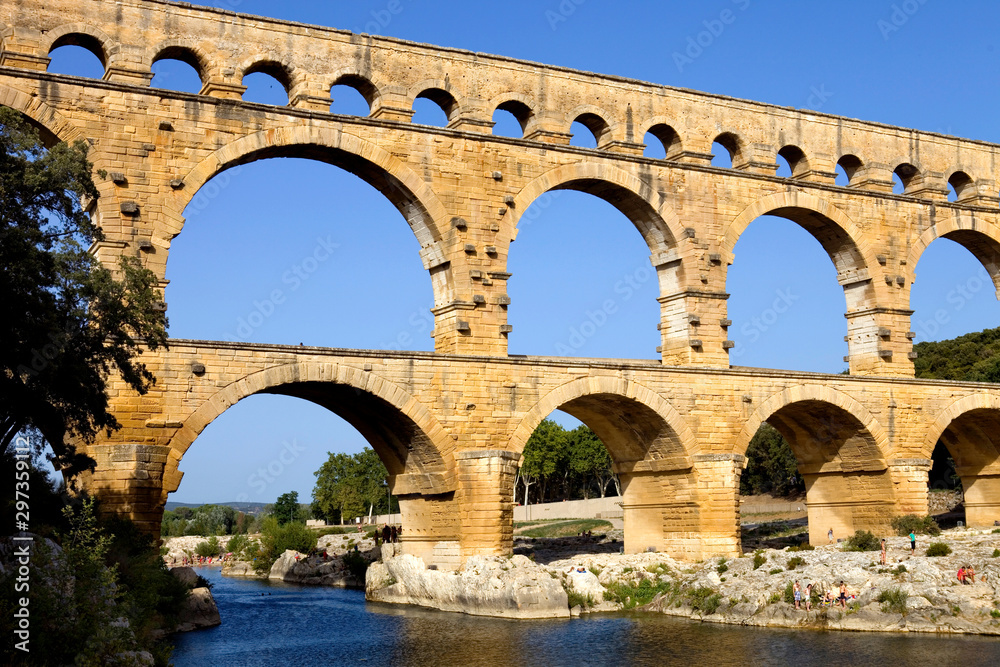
798	165
521	107
364	85
851	165
439	95
88	37
962	184
732	144
592	118
185	51
665	133
908	175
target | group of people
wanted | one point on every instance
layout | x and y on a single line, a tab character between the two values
830	599
389	534
967	574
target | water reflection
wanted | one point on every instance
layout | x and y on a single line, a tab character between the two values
279	624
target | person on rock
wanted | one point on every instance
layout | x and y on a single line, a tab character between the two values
829	535
970	574
913	543
386	534
961	575
809	592
883	551
797	593
842	598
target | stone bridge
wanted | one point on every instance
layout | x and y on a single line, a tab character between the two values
450	425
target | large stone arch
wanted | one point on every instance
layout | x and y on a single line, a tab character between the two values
623	400
842	453
409	193
46	118
812	394
978	236
97	38
414	447
638	200
651	448
969	429
841	238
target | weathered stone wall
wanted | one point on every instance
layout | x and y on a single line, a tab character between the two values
677	428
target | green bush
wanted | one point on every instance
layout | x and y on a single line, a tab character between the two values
996	553
904	525
722	567
795	561
636	595
938	549
275	539
789	594
893	601
237	544
995	613
356	564
805	546
209	547
862	540
758	559
776	570
704	599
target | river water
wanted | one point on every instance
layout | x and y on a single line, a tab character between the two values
266	623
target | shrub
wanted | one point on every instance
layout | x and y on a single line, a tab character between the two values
237	544
776	570
636	595
356	564
758	559
996	553
893	601
904	525
722	566
704	599
938	549
862	540
275	539
995	613
209	547
789	594
795	561
805	546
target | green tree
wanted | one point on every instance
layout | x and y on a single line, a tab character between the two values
589	460
349	485
545	457
286	507
68	321
771	465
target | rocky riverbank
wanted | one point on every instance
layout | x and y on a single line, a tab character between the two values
911	593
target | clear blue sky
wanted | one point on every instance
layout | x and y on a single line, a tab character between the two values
925	64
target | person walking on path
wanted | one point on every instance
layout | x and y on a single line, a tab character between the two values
913	543
797	593
829	534
809	592
883	551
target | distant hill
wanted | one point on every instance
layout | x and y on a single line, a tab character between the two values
974	356
248	508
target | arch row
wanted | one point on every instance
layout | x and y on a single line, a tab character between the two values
860	162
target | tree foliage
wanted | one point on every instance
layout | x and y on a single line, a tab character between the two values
974	356
557	464
771	465
350	485
68	320
287	509
205	520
